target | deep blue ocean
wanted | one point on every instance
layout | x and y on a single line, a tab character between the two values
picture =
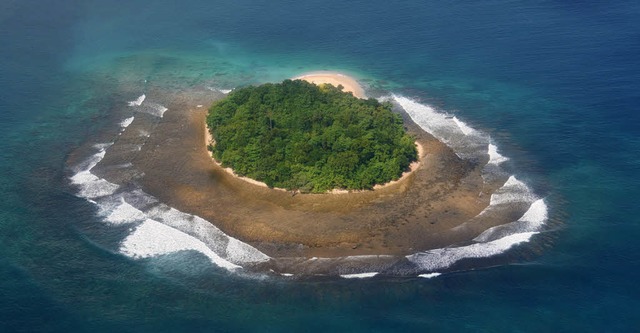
555	83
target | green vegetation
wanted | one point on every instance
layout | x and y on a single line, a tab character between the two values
300	136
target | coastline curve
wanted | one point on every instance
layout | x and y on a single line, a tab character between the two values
102	184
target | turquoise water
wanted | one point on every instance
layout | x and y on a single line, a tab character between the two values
554	84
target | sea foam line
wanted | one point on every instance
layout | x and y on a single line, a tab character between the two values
161	229
466	142
513	190
122	213
153	238
492	241
91	186
438	124
151	108
429	275
494	157
466	130
443	258
531	221
359	275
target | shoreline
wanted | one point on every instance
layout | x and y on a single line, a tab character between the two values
209	141
412	168
425	210
350	85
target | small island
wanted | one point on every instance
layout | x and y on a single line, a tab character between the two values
437	202
310	138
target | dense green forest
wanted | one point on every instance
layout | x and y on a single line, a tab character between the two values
300	136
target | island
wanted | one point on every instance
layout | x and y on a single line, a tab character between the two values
309	138
438	201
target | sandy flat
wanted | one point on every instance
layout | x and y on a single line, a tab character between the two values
350	84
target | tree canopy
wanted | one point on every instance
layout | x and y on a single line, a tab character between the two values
299	136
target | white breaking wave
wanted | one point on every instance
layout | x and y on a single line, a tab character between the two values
238	251
94	159
153	238
123	213
359	275
169	230
429	275
161	229
125	123
537	213
90	186
532	220
154	109
466	130
494	157
513	190
158	229
138	100
467	143
444	258
438	124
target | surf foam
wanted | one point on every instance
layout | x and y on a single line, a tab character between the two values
161	229
445	257
466	130
89	185
532	220
359	275
494	157
125	123
466	142
123	213
138	101
153	238
429	275
513	190
470	143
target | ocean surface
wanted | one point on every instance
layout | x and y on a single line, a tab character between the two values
552	86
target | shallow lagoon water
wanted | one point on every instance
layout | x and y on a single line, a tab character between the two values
555	85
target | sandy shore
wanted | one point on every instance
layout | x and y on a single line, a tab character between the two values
412	168
334	78
208	140
350	85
